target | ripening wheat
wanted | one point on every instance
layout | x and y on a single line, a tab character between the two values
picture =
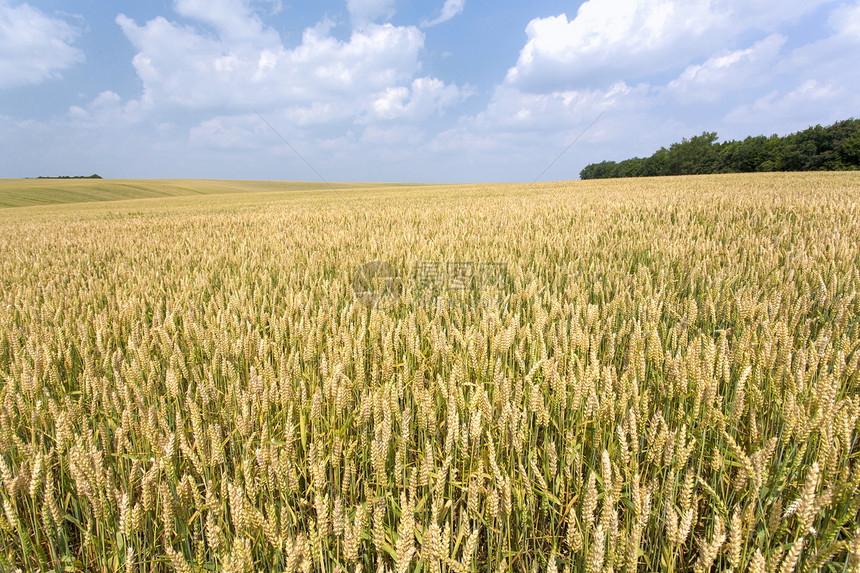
664	375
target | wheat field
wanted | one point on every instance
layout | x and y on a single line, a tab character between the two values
658	374
30	192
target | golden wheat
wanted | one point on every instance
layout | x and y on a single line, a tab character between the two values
664	376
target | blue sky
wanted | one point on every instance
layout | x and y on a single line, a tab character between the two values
388	90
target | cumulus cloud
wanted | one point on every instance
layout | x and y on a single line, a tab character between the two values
107	100
423	98
817	82
846	20
240	132
639	59
334	98
528	129
832	58
233	19
797	109
726	72
450	9
612	39
607	40
513	110
355	99
363	12
369	76
34	46
384	136
322	73
107	110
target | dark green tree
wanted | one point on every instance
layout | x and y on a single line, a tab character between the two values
817	148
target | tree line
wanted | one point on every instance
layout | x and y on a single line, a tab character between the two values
832	148
93	176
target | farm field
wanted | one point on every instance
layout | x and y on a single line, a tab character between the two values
608	375
27	192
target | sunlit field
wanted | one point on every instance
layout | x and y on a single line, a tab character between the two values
27	192
615	375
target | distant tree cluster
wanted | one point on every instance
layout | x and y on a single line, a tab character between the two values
832	148
93	176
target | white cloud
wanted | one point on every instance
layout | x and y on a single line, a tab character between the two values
767	15
450	9
335	99
317	113
34	47
620	55
218	73
832	58
605	41
358	104
795	110
384	136
107	110
846	20
107	100
423	98
228	132
233	19
519	133
816	83
370	76
513	110
728	71
363	12
613	39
